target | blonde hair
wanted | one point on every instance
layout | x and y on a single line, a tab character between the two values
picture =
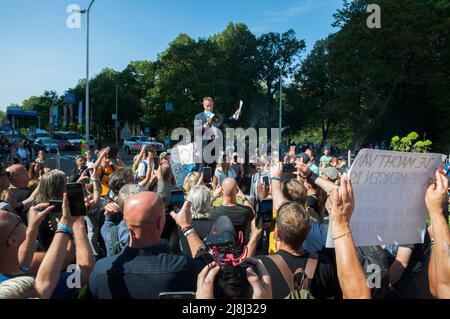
208	98
51	186
190	181
33	184
22	287
5	195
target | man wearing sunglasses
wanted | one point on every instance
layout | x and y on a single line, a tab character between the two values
19	181
17	243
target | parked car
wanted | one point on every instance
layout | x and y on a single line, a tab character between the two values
74	139
64	145
39	134
130	143
60	136
12	137
159	147
47	144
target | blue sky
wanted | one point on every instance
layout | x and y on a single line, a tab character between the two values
39	52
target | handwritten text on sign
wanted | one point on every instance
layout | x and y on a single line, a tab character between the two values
389	189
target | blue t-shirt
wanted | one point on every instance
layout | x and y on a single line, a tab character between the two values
447	168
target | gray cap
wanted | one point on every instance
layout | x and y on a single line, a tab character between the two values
331	173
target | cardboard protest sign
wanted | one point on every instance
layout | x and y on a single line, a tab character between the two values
389	189
181	156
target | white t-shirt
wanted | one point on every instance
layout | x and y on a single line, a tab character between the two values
90	165
221	175
142	168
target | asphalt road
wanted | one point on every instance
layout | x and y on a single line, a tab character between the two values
67	160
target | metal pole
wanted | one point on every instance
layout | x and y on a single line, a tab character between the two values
281	99
58	159
87	78
117	118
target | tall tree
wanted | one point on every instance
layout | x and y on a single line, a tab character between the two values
277	52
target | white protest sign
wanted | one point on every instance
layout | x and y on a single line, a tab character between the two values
177	167
186	153
389	189
180	156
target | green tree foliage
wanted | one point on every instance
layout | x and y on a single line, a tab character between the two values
2	117
409	143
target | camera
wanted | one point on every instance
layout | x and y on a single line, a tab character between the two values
177	200
57	211
231	281
288	168
207	174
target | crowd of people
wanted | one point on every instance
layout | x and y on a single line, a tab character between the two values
139	241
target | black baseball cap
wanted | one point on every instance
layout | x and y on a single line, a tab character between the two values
305	157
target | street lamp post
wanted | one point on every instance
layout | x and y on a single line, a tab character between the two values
117	117
117	113
281	98
87	74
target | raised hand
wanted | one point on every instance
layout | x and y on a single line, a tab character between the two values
436	194
277	170
184	217
205	281
111	209
261	281
37	214
343	204
302	168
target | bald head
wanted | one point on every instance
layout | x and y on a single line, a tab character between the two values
8	223
229	186
145	217
6	220
19	176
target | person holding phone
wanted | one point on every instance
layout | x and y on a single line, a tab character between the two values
159	270
149	160
79	170
200	199
51	188
89	159
105	167
35	171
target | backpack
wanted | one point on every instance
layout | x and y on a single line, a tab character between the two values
299	283
375	255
